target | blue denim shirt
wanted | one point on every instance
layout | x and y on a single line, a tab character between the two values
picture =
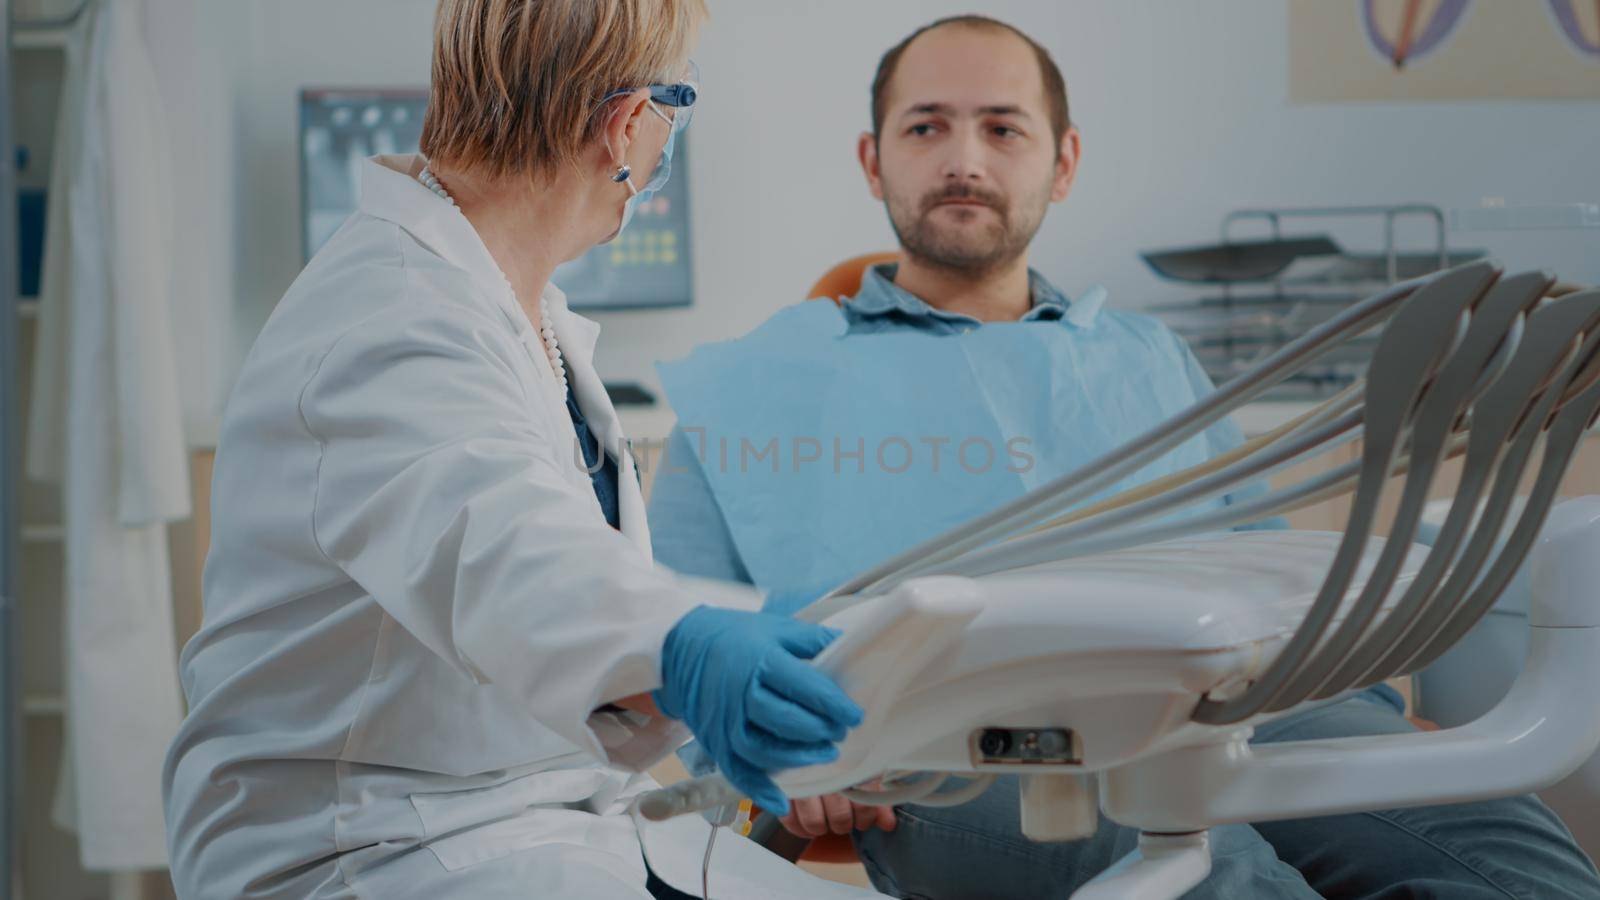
881	305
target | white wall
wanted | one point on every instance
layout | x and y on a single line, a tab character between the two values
197	106
283	46
1183	107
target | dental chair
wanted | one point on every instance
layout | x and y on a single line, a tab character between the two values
844	279
1117	654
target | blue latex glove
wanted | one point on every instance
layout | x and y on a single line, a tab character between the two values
739	680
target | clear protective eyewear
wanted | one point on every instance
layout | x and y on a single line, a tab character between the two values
680	97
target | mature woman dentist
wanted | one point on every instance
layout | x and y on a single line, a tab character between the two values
435	649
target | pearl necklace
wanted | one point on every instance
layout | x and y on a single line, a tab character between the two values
552	349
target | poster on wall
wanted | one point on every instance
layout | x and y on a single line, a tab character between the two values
1362	50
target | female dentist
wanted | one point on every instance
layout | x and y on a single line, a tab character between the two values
435	647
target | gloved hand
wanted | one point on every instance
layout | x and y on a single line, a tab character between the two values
739	680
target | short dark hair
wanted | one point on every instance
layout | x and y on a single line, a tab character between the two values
1055	87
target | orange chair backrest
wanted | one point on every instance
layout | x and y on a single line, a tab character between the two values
844	280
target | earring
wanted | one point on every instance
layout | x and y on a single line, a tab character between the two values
623	174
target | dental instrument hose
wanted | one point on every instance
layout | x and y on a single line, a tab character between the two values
741	826
1345	399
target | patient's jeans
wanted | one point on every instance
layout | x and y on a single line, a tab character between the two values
1511	848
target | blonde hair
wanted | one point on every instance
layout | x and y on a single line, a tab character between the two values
517	84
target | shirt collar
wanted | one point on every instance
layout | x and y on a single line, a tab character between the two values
879	296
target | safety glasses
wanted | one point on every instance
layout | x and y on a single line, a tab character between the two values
680	97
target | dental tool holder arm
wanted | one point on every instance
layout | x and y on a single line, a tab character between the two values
1471	359
1535	737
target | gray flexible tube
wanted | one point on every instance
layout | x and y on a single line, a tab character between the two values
1327	671
1134	454
1493	447
1047	546
1411	350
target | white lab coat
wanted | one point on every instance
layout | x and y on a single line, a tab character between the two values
413	605
106	423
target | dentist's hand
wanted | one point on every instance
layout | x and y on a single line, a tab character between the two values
739	680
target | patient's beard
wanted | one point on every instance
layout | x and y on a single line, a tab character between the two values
968	251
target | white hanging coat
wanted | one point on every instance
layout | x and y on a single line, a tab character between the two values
106	423
414	606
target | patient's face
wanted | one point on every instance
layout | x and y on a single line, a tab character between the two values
967	162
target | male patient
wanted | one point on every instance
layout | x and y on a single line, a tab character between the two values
971	143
